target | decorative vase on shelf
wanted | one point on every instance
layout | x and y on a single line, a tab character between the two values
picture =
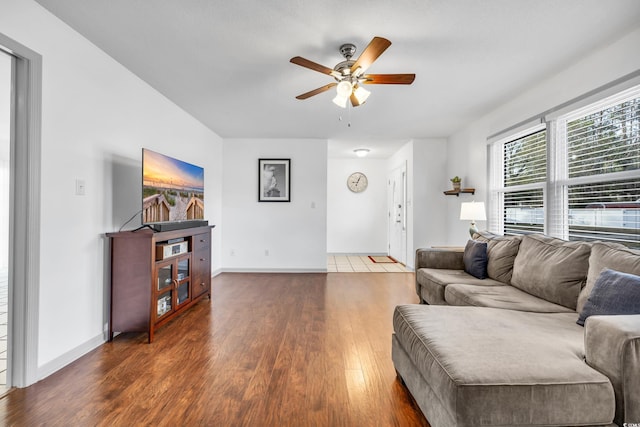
456	185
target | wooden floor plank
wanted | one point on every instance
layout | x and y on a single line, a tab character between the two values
267	350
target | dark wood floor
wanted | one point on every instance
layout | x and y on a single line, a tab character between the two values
267	350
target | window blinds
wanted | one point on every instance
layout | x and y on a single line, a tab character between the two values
524	175
602	174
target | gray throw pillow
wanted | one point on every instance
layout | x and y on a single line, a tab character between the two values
613	293
475	259
609	255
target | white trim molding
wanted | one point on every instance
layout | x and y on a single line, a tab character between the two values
24	233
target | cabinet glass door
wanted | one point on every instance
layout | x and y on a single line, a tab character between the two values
164	304
165	276
183	269
183	292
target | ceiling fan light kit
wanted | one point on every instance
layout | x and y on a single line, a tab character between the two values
350	75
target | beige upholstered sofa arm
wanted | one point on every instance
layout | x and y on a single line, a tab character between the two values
612	346
439	258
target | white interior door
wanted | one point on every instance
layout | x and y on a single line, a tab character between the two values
397	196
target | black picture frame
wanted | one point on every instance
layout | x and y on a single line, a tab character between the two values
274	180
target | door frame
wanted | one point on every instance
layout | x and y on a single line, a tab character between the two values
402	171
24	216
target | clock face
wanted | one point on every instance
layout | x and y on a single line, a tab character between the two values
357	182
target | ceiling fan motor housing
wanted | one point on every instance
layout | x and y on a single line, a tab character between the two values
344	68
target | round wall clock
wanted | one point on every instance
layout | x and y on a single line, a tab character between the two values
357	182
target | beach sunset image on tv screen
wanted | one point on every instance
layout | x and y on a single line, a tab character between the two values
172	190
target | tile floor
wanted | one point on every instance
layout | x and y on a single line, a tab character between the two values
341	263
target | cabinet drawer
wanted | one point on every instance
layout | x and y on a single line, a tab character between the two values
201	241
201	284
201	261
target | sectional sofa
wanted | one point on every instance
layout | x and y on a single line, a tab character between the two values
505	348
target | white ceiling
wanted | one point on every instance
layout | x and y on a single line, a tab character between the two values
227	62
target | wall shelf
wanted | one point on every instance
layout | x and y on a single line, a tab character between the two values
458	192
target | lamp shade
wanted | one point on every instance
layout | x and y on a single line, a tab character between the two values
361	94
473	211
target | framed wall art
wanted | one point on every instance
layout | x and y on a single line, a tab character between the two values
274	180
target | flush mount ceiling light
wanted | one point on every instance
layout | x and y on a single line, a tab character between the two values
350	76
361	152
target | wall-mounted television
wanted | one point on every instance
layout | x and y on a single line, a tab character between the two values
172	192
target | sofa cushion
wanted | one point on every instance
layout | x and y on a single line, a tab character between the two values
475	259
552	269
501	252
613	293
505	297
434	280
608	255
529	370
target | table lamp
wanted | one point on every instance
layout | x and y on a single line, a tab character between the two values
472	211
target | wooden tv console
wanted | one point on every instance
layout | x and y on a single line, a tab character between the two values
155	276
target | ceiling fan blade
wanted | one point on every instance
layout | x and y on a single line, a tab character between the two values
298	60
316	91
370	54
388	79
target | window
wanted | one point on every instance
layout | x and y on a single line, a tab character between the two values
603	184
525	172
576	177
519	189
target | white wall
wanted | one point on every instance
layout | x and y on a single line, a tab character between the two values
357	222
429	181
96	117
294	234
426	216
467	148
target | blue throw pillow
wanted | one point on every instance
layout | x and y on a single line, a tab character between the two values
475	259
613	293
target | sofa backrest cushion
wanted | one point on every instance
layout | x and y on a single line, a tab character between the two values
501	253
552	269
475	259
608	255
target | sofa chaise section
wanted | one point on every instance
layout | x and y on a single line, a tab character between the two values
495	367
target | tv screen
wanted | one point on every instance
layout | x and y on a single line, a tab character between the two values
172	190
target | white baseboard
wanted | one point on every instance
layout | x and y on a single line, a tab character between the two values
70	356
274	270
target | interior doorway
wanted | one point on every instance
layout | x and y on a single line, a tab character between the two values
6	66
397	196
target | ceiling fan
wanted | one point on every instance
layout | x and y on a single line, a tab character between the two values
349	74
